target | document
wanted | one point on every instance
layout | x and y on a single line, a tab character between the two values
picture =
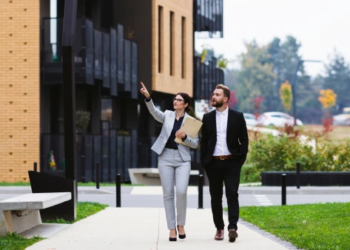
190	127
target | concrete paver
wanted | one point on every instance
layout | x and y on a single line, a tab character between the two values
145	228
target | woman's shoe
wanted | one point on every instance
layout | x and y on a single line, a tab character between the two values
173	239
181	236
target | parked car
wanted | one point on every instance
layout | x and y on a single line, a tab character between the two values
277	119
342	119
250	119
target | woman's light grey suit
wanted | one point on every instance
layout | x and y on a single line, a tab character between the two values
173	165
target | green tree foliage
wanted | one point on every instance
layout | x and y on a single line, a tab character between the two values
255	77
338	78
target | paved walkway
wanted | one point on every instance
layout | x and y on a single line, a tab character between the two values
145	228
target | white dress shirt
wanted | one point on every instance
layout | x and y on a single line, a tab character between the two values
221	133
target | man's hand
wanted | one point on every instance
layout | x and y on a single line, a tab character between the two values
144	91
180	134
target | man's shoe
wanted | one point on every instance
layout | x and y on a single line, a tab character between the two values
219	234
232	235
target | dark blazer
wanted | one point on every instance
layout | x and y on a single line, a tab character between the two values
237	136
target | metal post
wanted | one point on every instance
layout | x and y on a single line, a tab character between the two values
200	191
284	189
35	167
294	80
118	190
68	40
97	175
68	67
298	175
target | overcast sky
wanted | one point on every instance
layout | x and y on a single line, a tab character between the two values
319	25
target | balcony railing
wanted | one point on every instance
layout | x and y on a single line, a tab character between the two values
206	77
208	16
106	56
115	154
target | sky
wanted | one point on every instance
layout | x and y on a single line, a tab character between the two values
321	26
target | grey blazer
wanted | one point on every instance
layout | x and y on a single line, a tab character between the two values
168	119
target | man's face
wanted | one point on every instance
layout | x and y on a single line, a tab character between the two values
218	98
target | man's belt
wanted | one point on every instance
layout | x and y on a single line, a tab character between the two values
223	157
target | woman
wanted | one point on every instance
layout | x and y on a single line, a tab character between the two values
174	161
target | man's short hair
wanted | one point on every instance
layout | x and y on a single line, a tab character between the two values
226	90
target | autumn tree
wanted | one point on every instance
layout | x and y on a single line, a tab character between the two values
286	95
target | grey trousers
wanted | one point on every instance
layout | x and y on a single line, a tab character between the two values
173	169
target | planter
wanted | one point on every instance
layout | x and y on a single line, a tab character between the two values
307	178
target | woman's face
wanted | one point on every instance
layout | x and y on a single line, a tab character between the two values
179	103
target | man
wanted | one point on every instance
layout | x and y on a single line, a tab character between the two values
224	148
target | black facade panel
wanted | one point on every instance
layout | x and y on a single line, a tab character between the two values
134	69
98	54
127	65
89	53
120	55
113	62
106	60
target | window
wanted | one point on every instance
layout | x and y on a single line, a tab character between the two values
183	47
106	109
172	71
160	39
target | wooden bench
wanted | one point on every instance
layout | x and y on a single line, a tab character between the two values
148	176
21	213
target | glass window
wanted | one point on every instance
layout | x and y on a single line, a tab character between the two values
106	110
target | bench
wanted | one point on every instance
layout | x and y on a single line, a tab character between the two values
148	176
21	213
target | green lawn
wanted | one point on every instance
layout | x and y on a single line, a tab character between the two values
315	226
80	184
84	209
17	242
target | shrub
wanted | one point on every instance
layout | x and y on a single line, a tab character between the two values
280	153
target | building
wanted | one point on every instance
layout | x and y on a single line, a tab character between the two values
118	44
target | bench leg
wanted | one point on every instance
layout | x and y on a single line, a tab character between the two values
11	223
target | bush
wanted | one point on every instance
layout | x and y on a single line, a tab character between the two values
250	174
280	153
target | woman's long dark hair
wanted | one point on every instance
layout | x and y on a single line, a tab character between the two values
187	99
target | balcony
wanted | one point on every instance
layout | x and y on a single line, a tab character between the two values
105	56
208	16
206	77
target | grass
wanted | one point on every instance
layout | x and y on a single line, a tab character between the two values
80	184
84	210
106	184
17	242
338	133
310	227
5	184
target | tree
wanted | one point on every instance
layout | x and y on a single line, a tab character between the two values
255	78
233	101
257	104
286	95
231	78
284	57
338	78
327	98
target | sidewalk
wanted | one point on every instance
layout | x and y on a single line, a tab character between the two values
192	190
145	228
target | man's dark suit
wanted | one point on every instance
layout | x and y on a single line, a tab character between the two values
224	171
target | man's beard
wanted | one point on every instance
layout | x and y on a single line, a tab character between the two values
218	104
